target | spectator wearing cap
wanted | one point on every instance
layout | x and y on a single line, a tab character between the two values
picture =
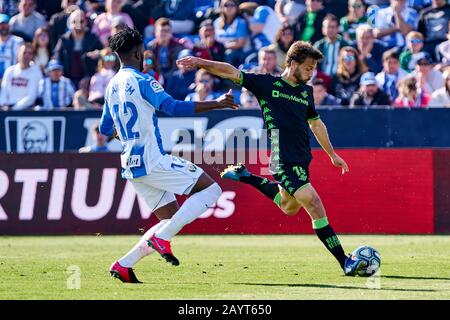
283	41
232	31
208	47
433	24
58	21
9	45
150	66
267	63
102	24
410	94
321	96
262	20
391	74
428	78
42	47
203	87
20	81
330	44
414	44
27	21
393	23
309	25
55	91
178	84
78	49
165	47
370	49
441	97
369	94
346	80
106	70
356	16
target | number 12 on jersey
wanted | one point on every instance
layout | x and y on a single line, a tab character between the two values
126	132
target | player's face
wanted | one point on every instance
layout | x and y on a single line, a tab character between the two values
304	72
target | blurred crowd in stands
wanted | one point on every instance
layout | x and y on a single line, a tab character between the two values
54	54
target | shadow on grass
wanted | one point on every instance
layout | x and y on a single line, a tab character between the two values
414	278
329	286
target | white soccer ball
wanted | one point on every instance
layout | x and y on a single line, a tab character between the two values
371	257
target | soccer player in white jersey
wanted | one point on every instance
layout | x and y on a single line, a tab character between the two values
131	100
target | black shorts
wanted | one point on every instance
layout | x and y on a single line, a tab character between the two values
292	176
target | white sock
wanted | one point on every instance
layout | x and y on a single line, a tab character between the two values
141	249
191	209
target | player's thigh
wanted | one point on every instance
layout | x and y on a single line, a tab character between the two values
308	197
167	211
177	175
288	203
155	198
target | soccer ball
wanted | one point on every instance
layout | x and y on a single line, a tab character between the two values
372	260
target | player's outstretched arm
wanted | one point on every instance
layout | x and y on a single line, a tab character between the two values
220	69
320	132
225	101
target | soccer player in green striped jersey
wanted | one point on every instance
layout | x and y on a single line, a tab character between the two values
288	110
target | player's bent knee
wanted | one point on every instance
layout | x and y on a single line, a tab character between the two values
214	191
290	211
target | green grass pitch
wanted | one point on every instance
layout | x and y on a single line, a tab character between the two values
224	267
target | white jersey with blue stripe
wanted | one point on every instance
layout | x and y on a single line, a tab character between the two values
131	101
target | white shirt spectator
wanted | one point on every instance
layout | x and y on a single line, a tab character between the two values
56	95
20	86
8	52
440	99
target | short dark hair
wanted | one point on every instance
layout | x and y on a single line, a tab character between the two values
162	22
125	41
331	17
300	51
391	54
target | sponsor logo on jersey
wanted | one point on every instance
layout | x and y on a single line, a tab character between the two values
156	86
134	161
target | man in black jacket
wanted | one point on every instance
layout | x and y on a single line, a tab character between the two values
78	49
58	21
369	94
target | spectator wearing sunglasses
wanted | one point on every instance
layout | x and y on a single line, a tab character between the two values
105	72
356	17
346	80
150	66
203	91
414	44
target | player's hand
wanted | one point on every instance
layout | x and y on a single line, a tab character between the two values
339	162
226	101
187	63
